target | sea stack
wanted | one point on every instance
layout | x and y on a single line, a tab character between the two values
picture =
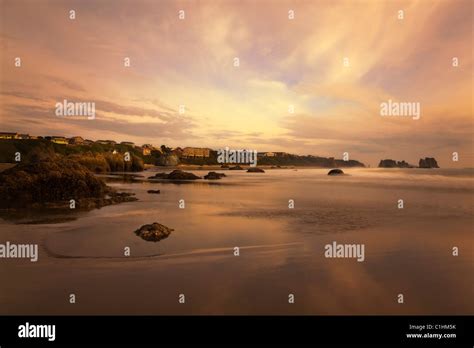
428	162
389	163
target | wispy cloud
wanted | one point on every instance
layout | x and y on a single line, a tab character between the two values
282	62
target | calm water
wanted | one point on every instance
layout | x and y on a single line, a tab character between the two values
407	251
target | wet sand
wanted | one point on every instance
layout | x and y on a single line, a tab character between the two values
407	251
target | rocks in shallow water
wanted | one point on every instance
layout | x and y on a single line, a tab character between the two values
153	232
236	168
255	170
214	176
181	175
428	162
159	176
153	191
177	174
336	171
53	183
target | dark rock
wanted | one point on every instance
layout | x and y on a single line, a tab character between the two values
428	162
388	163
255	170
404	164
52	183
224	166
214	176
236	168
176	175
153	232
159	176
181	175
336	172
153	191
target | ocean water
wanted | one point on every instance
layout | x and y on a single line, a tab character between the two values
408	251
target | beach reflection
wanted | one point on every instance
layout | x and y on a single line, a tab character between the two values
407	251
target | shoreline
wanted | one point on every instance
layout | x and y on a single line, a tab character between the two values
109	272
279	247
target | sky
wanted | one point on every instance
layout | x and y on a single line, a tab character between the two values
290	92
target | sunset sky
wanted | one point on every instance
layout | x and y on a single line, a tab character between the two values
282	62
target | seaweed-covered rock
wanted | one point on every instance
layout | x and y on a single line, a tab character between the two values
214	176
54	183
255	170
177	174
153	232
236	168
336	171
109	162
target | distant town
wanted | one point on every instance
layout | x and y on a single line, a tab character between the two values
146	149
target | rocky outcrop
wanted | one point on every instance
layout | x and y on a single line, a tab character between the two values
182	175
167	160
428	162
108	162
236	168
53	183
336	171
404	164
177	174
255	170
153	191
214	176
389	163
153	232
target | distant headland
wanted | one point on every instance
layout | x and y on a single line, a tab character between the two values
105	155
